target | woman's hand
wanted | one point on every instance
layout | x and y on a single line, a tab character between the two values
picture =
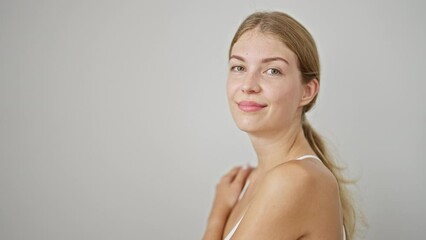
229	188
228	191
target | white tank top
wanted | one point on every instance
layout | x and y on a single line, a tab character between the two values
231	233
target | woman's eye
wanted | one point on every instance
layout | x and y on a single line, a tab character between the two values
237	69
273	71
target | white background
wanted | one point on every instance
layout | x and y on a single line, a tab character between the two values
114	122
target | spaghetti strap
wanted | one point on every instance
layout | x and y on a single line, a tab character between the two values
344	232
231	233
244	190
308	156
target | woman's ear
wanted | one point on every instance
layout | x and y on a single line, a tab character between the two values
310	90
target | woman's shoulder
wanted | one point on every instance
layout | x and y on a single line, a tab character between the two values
295	194
303	179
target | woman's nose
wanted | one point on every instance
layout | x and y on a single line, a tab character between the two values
250	84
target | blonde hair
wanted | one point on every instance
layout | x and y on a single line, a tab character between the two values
295	36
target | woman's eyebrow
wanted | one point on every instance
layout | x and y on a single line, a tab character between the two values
265	60
237	57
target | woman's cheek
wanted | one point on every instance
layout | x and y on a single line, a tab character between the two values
231	89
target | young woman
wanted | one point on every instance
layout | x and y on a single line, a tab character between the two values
296	191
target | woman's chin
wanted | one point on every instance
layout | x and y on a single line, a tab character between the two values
249	127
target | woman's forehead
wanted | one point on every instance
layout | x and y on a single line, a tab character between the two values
255	44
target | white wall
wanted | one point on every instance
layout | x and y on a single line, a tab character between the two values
114	122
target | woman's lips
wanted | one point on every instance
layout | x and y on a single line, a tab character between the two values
250	106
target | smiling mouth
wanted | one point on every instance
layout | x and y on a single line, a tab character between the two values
250	106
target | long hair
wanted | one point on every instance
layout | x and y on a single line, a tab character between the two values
295	36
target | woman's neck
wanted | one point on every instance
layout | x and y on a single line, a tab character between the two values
280	147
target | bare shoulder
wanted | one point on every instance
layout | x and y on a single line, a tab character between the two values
300	176
291	201
299	187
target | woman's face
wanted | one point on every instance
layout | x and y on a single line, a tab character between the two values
264	84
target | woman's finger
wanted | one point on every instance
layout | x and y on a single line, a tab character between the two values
230	176
242	175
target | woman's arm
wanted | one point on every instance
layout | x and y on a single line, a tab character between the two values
227	192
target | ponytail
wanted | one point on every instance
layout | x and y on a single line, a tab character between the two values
317	144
